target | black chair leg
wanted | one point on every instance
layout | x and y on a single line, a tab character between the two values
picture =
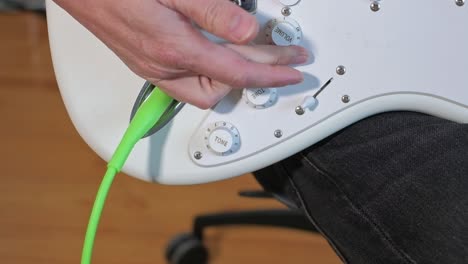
276	218
188	248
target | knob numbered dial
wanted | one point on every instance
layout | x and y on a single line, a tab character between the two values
260	97
283	32
222	138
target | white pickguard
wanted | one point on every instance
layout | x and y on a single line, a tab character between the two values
411	55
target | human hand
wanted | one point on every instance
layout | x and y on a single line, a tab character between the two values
157	40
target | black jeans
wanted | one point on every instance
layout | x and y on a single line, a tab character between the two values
392	188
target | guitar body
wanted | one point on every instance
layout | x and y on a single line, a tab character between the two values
409	55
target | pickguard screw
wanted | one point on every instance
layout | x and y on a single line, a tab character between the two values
286	11
375	6
345	99
460	2
278	133
300	110
341	70
198	155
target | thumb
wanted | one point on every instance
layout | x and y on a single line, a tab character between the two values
219	17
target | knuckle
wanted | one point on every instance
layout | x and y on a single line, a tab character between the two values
189	61
151	71
205	103
278	60
213	12
162	65
142	69
241	79
168	56
208	101
165	53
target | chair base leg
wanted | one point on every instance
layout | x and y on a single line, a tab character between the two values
276	218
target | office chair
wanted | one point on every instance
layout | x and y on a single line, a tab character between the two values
188	248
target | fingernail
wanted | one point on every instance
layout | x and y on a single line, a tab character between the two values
294	77
300	59
242	28
300	77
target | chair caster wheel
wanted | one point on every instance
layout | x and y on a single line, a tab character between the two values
186	249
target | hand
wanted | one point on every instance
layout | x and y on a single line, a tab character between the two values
157	40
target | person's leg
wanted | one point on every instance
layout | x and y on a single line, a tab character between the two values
392	188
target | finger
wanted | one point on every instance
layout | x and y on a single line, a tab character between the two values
268	54
204	92
157	72
228	66
219	17
199	91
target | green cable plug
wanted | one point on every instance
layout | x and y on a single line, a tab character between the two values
148	114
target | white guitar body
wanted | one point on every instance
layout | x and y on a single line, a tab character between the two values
409	55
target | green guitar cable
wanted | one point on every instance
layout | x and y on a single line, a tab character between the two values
144	119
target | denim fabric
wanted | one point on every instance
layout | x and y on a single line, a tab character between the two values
392	188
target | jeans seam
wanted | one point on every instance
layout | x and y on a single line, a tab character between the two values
360	210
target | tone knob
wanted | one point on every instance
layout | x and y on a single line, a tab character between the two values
283	32
260	97
222	138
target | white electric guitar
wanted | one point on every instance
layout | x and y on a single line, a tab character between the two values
370	57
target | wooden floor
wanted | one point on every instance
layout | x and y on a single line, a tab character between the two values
46	196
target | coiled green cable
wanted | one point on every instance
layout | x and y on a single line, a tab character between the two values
144	119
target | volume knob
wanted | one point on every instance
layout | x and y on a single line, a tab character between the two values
283	32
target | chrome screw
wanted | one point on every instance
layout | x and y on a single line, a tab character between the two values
198	155
278	133
345	99
460	2
286	11
300	110
375	6
341	70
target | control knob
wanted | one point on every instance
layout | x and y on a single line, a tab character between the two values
260	97
222	138
283	32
